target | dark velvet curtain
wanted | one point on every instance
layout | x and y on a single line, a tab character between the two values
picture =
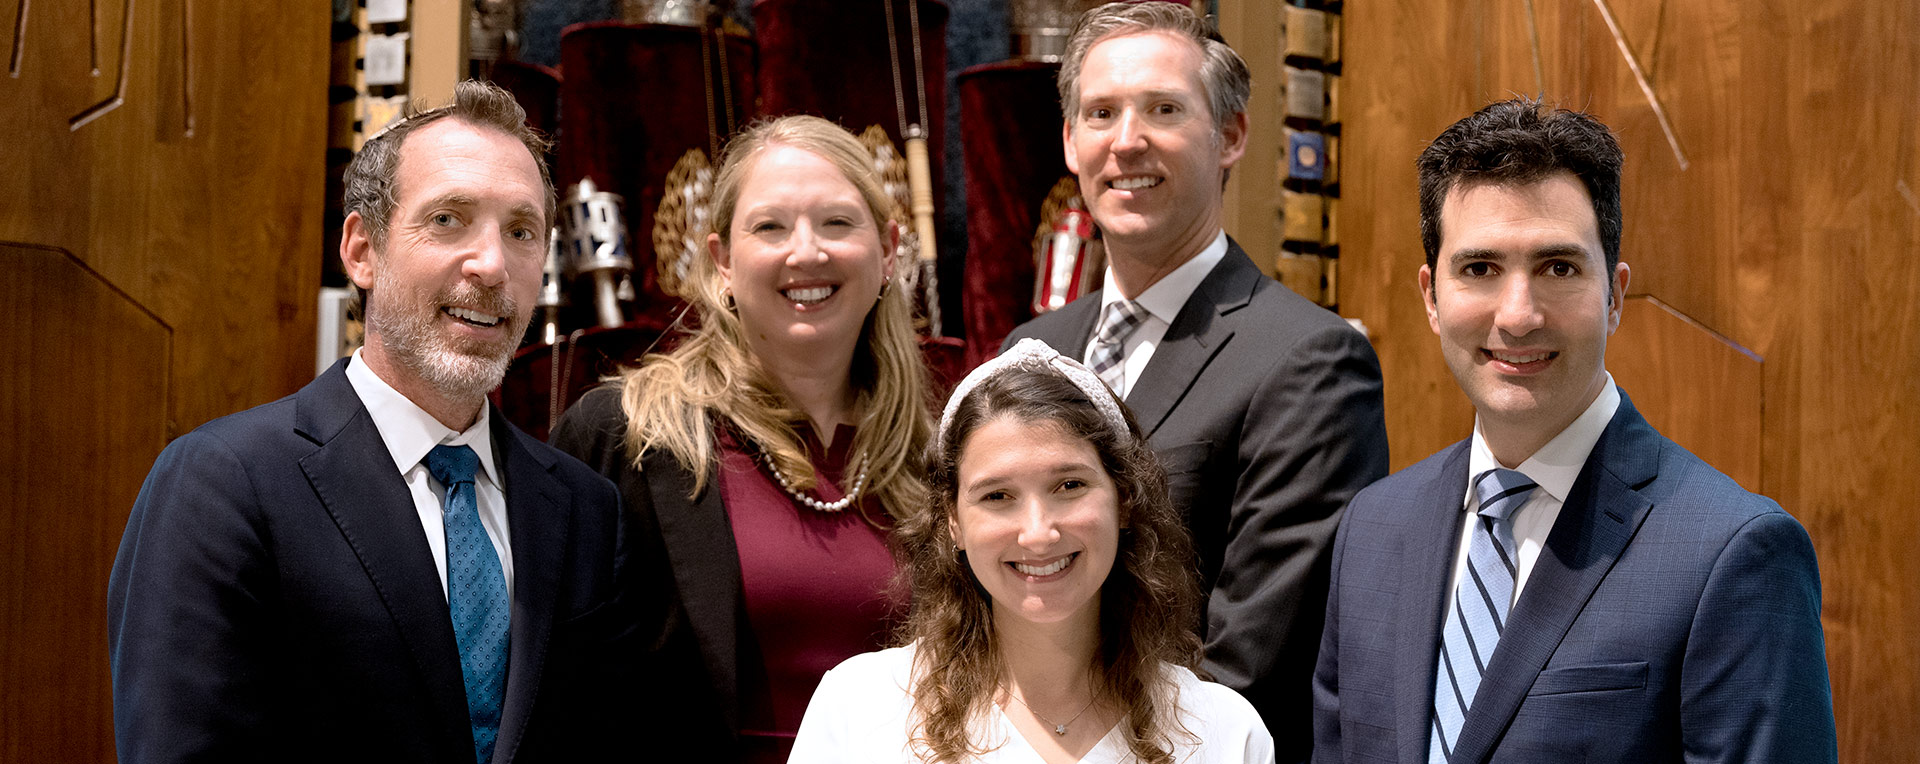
1010	122
536	87
633	101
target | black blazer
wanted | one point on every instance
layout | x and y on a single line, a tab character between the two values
1672	616
686	581
274	599
1266	411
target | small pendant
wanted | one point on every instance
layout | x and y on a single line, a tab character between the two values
1060	729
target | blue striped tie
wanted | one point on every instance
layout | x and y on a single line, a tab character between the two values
1480	605
476	595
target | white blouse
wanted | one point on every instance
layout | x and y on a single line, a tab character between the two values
862	712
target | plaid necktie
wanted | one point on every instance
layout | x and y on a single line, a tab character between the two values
476	595
1480	606
1118	319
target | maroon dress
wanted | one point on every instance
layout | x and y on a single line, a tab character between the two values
815	585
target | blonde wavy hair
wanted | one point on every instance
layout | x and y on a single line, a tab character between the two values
674	400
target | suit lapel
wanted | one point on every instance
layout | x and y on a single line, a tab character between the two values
1431	537
540	523
706	566
1196	335
1602	512
353	475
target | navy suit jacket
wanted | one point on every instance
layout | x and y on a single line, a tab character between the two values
1672	616
1266	411
274	599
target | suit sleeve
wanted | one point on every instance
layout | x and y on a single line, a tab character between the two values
1314	435
1326	672
1754	687
671	702
188	607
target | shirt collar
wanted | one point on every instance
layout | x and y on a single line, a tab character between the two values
408	431
1168	295
1558	463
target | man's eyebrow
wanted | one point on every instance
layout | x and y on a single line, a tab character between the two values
454	199
1548	252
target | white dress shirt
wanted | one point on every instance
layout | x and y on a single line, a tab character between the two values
1554	467
1163	302
409	433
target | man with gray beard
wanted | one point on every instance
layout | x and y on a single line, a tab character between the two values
379	567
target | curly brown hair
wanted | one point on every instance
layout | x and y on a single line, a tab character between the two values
1149	603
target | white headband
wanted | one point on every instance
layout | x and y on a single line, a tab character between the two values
1033	354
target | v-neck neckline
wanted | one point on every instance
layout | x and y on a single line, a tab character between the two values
1109	743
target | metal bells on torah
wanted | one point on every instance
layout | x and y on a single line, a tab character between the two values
596	233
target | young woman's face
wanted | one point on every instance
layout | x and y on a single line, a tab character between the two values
1039	519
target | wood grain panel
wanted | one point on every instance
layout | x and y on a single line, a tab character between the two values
1692	385
82	419
1791	231
215	233
194	204
1253	188
1408	73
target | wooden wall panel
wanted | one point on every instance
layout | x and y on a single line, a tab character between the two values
90	406
1791	230
1253	188
162	272
1693	385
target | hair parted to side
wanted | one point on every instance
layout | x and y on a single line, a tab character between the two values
1520	141
1149	604
1224	74
674	400
371	179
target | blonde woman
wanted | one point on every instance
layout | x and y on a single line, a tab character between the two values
1054	598
763	460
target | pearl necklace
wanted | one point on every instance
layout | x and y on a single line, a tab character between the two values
859	483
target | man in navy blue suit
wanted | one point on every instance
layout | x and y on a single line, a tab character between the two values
1566	584
379	568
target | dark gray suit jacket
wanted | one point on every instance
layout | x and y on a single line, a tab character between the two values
1266	411
1672	616
274	599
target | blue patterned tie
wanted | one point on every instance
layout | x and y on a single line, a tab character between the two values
476	594
1480	605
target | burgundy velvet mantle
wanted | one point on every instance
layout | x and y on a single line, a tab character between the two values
632	102
1010	122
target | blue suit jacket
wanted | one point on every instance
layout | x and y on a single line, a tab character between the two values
274	599
1671	617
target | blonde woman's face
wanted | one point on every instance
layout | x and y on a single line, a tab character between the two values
805	258
1039	519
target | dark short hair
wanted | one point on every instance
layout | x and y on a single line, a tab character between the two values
371	177
1522	140
1222	72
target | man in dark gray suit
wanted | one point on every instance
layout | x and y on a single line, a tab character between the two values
1566	584
1264	408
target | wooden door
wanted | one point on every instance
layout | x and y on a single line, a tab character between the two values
160	201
